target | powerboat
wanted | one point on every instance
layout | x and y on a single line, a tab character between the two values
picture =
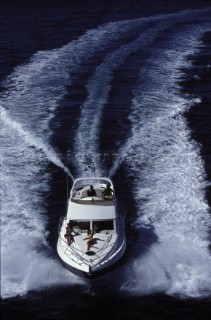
96	235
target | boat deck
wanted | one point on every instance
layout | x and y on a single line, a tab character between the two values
101	245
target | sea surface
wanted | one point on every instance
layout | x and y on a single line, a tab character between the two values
124	86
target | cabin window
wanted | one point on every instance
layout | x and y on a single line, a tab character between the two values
82	225
103	225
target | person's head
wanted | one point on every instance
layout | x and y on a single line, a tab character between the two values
91	187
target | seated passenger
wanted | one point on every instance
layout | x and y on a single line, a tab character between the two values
107	192
91	192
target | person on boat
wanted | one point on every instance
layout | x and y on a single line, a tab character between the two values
107	192
68	235
90	239
91	192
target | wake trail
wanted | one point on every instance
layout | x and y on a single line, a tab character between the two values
29	101
98	87
165	99
34	141
168	178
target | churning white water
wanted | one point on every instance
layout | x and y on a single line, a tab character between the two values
172	218
169	181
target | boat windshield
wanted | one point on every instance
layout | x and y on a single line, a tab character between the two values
82	226
86	189
90	181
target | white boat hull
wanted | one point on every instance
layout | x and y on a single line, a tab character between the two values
109	242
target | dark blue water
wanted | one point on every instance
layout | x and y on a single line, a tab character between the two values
124	86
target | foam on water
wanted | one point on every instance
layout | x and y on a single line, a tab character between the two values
169	181
28	103
173	266
39	85
98	87
31	96
27	262
33	140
